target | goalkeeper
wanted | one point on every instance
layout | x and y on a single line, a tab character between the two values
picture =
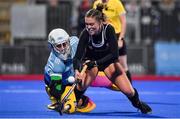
59	73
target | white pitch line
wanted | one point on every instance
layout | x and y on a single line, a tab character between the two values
22	91
89	92
89	118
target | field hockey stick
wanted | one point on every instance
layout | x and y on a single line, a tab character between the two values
65	99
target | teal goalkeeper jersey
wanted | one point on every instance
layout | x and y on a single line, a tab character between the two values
55	65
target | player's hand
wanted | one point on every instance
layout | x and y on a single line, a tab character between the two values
55	88
90	64
80	76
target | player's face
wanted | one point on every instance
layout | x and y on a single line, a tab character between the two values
61	47
92	25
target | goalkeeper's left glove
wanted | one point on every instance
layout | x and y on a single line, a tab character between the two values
56	85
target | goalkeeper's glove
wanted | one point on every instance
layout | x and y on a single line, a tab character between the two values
56	86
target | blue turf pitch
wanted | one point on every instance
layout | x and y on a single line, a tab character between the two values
27	99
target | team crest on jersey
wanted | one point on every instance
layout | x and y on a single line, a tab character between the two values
57	60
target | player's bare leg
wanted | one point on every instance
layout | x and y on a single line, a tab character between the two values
119	78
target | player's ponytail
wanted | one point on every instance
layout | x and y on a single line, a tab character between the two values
100	7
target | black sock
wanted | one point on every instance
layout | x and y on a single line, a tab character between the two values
128	74
78	94
135	99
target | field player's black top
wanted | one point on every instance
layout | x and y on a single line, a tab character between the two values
102	48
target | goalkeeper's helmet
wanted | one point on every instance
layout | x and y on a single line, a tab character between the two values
59	39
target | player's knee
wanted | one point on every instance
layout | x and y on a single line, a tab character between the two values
115	74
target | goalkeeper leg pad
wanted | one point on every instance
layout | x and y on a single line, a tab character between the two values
70	105
52	99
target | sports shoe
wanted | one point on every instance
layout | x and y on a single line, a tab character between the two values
85	105
144	108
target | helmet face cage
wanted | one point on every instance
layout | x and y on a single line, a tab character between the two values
63	49
59	39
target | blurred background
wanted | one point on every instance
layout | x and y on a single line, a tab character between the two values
153	33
